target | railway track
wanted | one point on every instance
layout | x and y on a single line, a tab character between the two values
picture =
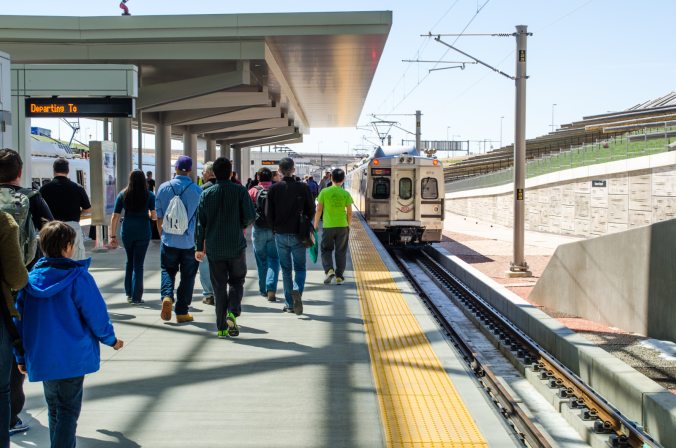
607	420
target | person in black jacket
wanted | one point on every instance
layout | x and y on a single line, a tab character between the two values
287	201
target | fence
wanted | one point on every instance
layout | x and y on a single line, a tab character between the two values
627	146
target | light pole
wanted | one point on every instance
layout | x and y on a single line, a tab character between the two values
553	105
501	118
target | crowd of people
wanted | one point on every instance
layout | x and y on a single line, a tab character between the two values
53	316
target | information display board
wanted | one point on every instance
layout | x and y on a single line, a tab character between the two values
79	107
103	166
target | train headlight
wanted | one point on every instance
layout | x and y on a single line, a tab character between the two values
436	209
435	162
401	160
376	162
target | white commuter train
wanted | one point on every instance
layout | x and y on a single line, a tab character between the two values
401	195
44	154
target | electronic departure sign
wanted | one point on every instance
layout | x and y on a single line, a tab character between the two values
269	162
381	171
79	107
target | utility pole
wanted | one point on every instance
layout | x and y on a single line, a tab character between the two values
518	267
501	118
553	105
417	130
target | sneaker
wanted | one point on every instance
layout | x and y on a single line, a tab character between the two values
183	318
329	276
209	300
233	328
297	302
129	300
272	297
18	427
286	309
137	302
222	334
339	280
167	305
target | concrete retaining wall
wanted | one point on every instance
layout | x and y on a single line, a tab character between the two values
636	396
634	192
626	280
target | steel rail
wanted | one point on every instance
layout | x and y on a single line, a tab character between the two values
608	419
501	397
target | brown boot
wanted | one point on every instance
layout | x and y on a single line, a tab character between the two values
271	296
183	318
167	305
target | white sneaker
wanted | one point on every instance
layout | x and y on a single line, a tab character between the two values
329	276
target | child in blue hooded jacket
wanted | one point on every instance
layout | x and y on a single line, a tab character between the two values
63	320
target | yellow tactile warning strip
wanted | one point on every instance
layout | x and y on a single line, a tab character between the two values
419	405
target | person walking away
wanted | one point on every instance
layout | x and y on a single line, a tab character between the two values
287	203
13	276
225	210
63	320
176	203
68	202
234	178
205	276
314	187
30	212
326	181
138	203
150	181
335	204
264	246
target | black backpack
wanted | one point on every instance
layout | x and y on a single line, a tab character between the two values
261	202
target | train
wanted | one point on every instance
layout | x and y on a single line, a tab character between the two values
44	154
400	194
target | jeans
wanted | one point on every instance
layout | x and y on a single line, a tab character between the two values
64	402
16	396
227	277
5	367
172	260
334	237
291	258
133	278
267	260
205	278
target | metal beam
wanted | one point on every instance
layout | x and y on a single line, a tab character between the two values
236	137
170	92
296	137
276	68
252	126
215	100
245	114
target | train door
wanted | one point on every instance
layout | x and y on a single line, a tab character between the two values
403	200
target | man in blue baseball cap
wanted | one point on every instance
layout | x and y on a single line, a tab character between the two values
176	205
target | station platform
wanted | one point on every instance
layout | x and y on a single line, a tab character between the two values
364	366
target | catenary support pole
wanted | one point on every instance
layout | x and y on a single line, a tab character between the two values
418	131
519	267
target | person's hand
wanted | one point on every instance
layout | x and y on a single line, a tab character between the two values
22	368
199	255
112	243
119	343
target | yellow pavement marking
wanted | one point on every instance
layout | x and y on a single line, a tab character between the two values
419	405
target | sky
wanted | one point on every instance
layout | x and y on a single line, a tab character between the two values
585	57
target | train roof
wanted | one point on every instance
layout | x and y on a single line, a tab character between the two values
393	151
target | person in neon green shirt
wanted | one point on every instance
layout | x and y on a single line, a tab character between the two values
335	204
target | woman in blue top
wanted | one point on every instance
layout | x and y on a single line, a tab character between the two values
139	209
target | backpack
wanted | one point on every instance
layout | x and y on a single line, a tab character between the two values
314	188
261	202
17	204
176	217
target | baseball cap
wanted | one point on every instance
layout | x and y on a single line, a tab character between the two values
184	163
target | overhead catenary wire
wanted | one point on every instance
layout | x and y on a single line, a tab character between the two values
479	9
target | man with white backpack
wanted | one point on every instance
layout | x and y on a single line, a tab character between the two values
176	205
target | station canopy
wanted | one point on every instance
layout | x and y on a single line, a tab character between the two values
244	79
